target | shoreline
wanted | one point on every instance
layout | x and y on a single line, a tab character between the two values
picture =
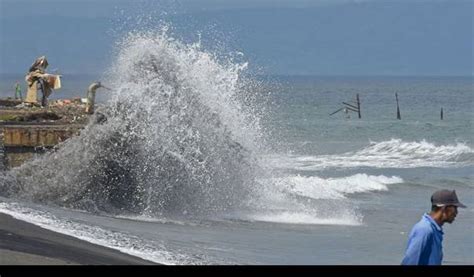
23	243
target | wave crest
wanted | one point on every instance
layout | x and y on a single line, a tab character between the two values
334	188
394	153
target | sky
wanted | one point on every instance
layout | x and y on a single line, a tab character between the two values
298	37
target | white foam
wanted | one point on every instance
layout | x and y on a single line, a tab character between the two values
334	188
306	219
122	242
147	218
394	153
314	200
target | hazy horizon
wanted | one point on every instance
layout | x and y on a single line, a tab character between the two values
315	38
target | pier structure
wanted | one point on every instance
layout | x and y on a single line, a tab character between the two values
26	132
21	142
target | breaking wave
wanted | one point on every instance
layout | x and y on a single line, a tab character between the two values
333	188
175	138
314	200
394	153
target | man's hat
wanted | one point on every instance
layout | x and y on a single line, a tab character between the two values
446	197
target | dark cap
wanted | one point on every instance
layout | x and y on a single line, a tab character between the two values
446	197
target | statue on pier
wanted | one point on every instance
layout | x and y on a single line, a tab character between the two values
90	107
38	79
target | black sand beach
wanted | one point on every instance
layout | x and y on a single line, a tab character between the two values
22	243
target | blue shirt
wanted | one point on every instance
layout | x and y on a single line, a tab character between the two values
424	243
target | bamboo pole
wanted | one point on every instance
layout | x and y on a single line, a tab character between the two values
358	105
399	117
352	106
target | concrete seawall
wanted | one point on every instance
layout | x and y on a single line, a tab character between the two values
21	142
29	131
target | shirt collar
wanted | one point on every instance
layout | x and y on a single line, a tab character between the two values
433	222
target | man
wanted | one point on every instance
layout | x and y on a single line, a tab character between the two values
426	237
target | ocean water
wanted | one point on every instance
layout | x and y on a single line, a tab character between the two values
199	163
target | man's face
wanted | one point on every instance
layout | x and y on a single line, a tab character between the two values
450	213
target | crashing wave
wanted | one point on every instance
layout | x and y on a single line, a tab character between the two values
394	153
333	188
176	139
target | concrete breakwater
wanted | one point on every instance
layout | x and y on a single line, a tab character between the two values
29	131
21	142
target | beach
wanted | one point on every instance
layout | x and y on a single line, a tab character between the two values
22	243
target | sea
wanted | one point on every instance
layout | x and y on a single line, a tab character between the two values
200	162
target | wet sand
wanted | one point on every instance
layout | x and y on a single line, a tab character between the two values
22	243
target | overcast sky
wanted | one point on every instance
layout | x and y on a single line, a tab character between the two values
92	8
321	37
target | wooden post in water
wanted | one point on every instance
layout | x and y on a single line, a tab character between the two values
399	117
350	106
441	113
358	105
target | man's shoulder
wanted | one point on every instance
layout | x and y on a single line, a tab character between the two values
422	227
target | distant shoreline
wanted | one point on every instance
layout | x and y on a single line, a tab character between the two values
23	243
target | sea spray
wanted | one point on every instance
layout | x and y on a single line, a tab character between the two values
175	140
